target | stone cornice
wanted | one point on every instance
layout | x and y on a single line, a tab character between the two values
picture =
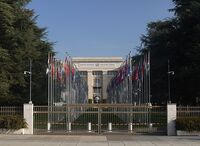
97	59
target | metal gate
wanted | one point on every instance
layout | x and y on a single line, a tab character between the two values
100	119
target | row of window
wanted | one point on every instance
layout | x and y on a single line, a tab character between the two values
98	73
97	90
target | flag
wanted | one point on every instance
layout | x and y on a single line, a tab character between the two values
47	70
67	68
73	74
52	69
59	72
129	67
135	75
73	71
48	63
148	61
118	77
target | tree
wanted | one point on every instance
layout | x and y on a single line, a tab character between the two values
20	40
178	40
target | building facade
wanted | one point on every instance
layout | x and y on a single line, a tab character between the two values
97	71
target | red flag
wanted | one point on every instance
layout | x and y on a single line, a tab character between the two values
52	70
67	69
135	75
73	70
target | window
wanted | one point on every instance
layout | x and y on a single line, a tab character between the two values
97	82
97	90
83	73
112	73
97	73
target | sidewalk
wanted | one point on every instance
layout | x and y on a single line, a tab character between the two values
109	140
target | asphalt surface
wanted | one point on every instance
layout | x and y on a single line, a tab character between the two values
109	140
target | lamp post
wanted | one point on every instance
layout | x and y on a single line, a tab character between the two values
30	73
169	72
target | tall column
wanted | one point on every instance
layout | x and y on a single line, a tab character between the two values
90	85
171	119
104	85
28	116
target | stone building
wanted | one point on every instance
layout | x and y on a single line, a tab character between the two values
97	71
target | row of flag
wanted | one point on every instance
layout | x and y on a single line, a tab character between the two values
65	85
132	82
59	69
122	73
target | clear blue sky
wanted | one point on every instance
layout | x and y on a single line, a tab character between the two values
98	27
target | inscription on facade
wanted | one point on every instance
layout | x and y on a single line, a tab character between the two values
94	65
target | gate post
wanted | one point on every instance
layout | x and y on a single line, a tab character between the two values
28	116
171	119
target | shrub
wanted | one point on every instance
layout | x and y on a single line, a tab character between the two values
12	122
89	100
188	124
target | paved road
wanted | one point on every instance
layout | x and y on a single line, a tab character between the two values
109	140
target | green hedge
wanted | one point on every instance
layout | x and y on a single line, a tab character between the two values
12	122
188	124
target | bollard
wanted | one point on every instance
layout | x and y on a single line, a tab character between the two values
89	127
69	127
109	127
22	131
49	127
150	125
130	127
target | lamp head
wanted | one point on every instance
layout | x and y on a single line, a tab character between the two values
27	72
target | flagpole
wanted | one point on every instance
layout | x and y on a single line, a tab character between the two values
128	96
69	99
53	86
68	91
149	55
130	77
51	95
146	78
145	85
48	94
131	87
65	69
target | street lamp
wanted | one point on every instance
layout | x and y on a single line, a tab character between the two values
30	73
169	72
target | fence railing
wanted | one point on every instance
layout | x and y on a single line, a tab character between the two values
100	118
188	111
11	110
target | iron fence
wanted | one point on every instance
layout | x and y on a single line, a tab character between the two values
188	111
100	118
11	110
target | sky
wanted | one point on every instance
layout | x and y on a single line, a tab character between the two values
98	27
